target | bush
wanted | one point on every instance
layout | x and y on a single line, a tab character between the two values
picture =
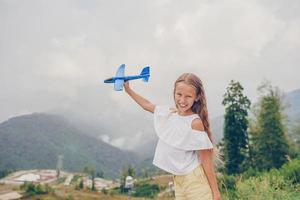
227	182
268	186
104	191
227	185
75	179
61	180
4	173
39	189
146	190
275	184
32	189
250	172
81	186
28	187
113	192
291	171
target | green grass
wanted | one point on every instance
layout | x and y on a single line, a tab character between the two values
277	184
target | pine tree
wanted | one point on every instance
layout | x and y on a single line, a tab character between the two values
270	144
235	149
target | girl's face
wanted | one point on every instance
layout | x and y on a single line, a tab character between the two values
185	96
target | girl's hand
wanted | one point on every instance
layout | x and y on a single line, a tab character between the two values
126	86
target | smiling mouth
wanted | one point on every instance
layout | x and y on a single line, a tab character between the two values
182	105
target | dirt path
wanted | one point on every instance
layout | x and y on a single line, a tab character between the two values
10	195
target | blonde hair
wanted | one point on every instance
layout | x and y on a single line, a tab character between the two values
200	105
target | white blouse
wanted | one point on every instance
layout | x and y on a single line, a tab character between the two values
176	148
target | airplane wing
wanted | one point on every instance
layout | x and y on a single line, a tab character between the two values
120	72
119	84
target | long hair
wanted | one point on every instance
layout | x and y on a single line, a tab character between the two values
200	106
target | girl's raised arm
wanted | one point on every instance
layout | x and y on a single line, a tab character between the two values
144	103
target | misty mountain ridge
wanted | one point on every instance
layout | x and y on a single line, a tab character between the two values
293	102
36	140
141	138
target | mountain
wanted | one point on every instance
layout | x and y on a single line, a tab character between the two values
36	140
293	101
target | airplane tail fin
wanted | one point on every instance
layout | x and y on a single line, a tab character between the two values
145	79
145	72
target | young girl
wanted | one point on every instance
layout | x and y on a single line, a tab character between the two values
185	145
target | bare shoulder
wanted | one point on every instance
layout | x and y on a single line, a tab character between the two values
197	125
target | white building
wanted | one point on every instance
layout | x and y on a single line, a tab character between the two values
29	178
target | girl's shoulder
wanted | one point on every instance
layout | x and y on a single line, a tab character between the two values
197	124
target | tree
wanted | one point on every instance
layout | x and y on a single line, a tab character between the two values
81	184
235	149
100	174
270	145
295	134
144	173
126	171
90	170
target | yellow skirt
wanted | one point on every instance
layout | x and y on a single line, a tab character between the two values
192	186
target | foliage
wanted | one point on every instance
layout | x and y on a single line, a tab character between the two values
227	182
100	173
295	134
126	171
61	179
266	187
81	184
235	142
104	191
4	173
141	189
90	170
269	142
34	189
283	183
146	190
75	178
291	171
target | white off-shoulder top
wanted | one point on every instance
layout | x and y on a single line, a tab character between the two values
176	148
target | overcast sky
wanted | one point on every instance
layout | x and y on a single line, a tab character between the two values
54	55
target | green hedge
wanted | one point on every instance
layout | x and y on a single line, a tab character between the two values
33	189
291	171
146	190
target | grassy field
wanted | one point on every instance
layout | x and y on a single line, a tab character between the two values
62	192
276	184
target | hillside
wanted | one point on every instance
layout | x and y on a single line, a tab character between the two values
35	141
293	102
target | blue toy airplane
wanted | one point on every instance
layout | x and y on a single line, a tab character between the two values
119	79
